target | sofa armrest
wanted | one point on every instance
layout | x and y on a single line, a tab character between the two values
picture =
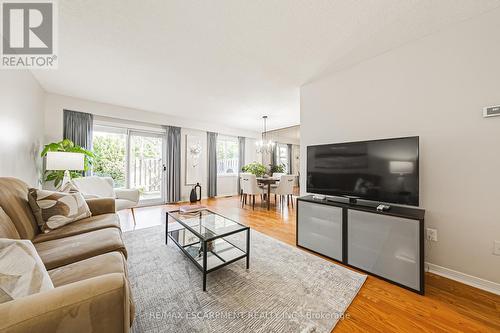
130	194
100	206
99	304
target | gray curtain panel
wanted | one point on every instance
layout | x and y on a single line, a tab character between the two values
241	157
173	164
274	152
212	164
79	127
290	159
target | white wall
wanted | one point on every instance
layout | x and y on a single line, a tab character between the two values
227	185
21	126
186	189
435	88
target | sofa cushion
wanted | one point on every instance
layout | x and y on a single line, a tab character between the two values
7	228
82	226
14	201
22	272
112	262
53	210
59	252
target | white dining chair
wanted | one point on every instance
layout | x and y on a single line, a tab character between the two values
241	183
278	174
285	189
250	189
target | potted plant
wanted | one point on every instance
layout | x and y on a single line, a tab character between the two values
258	169
69	147
277	168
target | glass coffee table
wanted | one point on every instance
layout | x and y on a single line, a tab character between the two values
210	240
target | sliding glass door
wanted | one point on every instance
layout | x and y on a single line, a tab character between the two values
134	159
146	166
110	150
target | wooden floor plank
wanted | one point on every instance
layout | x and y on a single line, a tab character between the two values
448	306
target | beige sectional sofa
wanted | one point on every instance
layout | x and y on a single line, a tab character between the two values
86	261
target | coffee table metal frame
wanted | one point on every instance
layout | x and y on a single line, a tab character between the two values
204	241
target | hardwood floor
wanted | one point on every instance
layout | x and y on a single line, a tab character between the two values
448	306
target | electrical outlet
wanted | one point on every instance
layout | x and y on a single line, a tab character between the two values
496	248
432	235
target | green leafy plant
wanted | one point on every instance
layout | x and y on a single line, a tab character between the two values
278	168
109	160
69	147
258	169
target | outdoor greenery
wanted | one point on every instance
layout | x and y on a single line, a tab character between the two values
109	151
227	155
69	147
227	149
258	169
110	155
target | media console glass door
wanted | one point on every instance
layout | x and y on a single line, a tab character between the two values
385	245
320	229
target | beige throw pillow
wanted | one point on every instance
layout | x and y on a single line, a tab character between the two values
53	210
69	187
22	272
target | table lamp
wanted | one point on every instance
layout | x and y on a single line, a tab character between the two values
401	167
57	160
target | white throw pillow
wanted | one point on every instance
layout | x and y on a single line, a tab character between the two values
22	272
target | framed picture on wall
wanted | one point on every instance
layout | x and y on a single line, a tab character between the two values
194	151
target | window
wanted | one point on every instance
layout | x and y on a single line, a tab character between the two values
110	146
227	155
283	156
134	159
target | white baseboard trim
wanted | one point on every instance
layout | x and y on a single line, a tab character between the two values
470	280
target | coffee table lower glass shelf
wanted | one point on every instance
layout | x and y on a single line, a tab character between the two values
208	239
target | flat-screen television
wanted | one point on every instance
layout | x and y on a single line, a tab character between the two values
378	170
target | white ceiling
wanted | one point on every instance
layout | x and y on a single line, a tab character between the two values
229	61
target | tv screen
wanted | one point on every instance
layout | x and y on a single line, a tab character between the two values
379	170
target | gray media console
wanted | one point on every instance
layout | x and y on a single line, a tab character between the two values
388	244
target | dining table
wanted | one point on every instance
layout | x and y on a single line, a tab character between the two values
268	181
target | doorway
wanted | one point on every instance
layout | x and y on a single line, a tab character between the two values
146	166
134	159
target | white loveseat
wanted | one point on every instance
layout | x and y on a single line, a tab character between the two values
102	187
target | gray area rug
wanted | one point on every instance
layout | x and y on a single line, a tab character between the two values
285	289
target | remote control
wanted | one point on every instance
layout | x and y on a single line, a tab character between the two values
382	208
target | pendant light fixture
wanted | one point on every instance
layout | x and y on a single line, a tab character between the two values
264	145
